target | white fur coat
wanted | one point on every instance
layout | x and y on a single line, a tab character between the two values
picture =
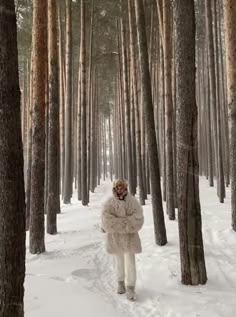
121	220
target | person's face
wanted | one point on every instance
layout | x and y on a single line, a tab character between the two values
120	190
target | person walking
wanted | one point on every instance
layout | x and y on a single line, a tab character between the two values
122	218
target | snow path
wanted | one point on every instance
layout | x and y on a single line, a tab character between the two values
75	276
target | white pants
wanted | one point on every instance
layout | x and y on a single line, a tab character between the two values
126	268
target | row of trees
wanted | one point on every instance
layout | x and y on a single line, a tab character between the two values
147	125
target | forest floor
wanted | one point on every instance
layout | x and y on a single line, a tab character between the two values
75	276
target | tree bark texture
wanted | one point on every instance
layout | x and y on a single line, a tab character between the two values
159	224
193	270
12	196
53	127
230	41
39	48
68	107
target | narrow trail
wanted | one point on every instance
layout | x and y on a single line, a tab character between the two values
77	274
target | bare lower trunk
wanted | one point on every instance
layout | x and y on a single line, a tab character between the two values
159	224
29	149
134	89
127	107
230	41
168	108
83	109
68	107
193	270
79	190
39	45
12	197
53	129
62	103
212	78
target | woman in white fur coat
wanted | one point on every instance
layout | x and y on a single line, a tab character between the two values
122	218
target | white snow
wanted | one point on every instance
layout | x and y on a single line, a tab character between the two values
75	276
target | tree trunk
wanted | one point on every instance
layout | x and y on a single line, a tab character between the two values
221	187
133	139
90	97
96	171
143	146
193	268
93	135
126	104
136	106
12	196
111	168
39	45
212	74
79	187
159	224
83	108
121	110
167	45
224	96
46	132
68	107
53	129
99	151
209	138
62	101
230	41
29	148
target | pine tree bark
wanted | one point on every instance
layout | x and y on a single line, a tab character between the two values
99	150
167	49
212	77
136	106
193	270
115	135
29	148
126	104
46	132
221	187
53	128
83	108
209	137
39	47
12	196
159	224
230	42
96	140
90	97
68	107
111	164
104	148
93	136
143	146
62	101
224	94
79	190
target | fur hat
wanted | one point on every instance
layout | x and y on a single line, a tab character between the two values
120	182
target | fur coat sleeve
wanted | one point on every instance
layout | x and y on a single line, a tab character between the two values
136	220
130	223
110	222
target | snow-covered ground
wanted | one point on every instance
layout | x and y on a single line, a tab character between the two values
75	276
